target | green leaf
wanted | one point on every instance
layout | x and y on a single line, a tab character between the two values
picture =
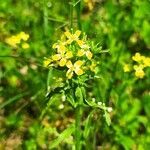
71	100
79	95
88	125
91	103
51	101
107	118
65	134
11	100
54	80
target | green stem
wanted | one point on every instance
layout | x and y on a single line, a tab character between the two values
78	10
71	14
78	116
45	15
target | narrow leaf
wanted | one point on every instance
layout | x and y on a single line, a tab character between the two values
65	134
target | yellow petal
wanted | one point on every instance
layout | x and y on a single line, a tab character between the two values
81	52
69	41
69	64
25	46
77	33
54	45
23	36
69	55
137	57
11	42
126	68
56	57
16	39
139	73
69	74
79	71
46	62
78	64
146	62
89	54
138	67
80	43
62	62
68	34
93	66
61	49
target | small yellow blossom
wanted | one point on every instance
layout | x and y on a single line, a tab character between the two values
13	41
126	68
47	62
137	57
62	57
25	46
82	44
72	37
136	67
146	61
23	36
93	66
76	67
82	52
60	47
16	39
56	57
139	73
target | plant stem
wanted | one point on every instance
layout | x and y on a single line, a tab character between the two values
78	10
78	116
45	15
78	109
71	14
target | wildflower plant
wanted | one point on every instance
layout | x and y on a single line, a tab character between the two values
76	61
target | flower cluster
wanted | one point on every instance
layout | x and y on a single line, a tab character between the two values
141	61
20	38
73	54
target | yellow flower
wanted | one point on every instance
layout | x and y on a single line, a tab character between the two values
82	44
139	71
62	57
23	36
136	67
72	37
93	66
137	57
82	52
60	47
76	67
13	40
126	68
146	61
47	62
16	39
25	45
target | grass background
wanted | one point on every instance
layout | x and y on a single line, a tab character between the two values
122	26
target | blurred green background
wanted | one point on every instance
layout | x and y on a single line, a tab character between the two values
122	26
